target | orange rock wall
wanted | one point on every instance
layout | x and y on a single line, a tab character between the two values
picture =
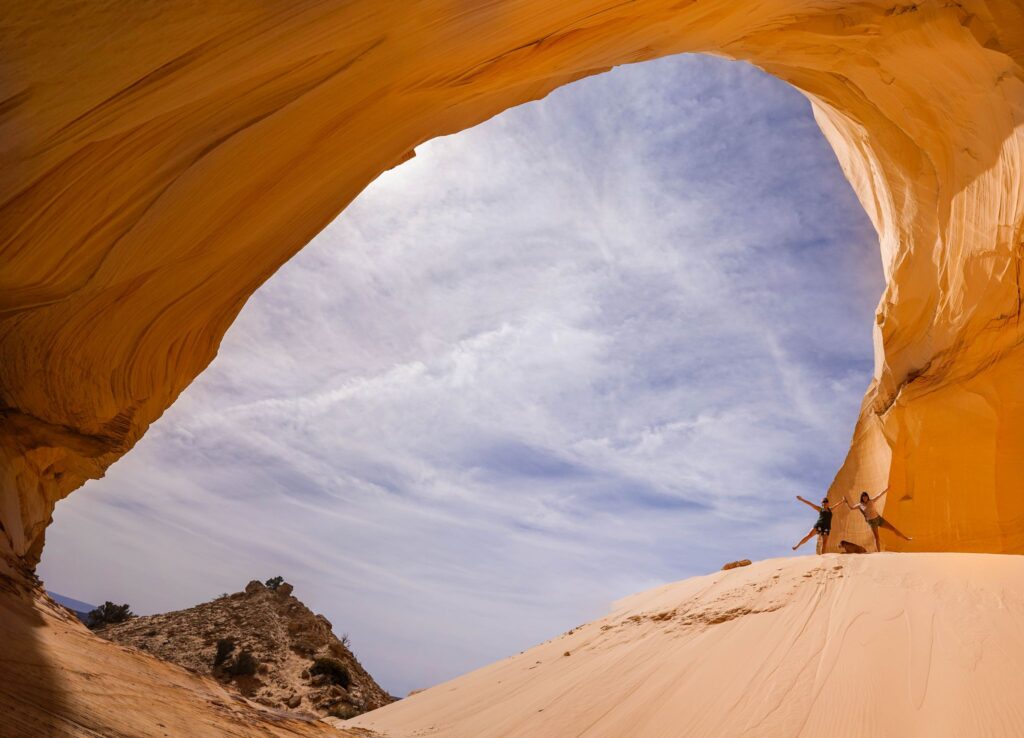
159	161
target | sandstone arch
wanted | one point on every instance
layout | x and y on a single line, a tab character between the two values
160	161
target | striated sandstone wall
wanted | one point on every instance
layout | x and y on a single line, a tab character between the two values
158	161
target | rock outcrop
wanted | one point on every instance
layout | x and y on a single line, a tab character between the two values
58	680
266	644
160	162
922	644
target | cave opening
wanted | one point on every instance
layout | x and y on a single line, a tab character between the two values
593	344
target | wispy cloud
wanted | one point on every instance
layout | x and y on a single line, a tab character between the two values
594	344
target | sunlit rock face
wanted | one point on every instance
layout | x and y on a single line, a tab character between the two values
159	161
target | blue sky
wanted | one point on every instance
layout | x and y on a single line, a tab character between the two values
592	345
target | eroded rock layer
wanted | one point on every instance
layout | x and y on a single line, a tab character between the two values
158	161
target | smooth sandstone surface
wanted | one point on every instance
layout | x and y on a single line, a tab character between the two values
158	161
921	645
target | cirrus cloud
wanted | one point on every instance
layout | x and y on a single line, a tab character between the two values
592	345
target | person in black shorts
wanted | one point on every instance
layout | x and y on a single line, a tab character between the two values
874	518
824	524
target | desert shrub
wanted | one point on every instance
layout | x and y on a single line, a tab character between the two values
109	613
343	711
274	582
224	648
333	669
245	665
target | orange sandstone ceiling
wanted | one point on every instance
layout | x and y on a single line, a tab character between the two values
159	161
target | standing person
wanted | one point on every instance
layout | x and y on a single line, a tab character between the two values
824	524
874	518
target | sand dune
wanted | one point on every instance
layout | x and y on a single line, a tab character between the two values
879	645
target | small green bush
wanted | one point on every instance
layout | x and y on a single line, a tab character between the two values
224	648
343	711
245	665
274	582
109	613
333	669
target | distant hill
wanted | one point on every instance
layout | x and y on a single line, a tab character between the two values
266	644
81	609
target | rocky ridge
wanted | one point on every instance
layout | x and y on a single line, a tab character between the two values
265	643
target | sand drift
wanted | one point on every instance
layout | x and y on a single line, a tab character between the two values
879	645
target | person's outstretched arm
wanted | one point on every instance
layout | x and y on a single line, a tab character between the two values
879	494
808	502
834	505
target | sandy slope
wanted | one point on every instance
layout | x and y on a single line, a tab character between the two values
877	645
